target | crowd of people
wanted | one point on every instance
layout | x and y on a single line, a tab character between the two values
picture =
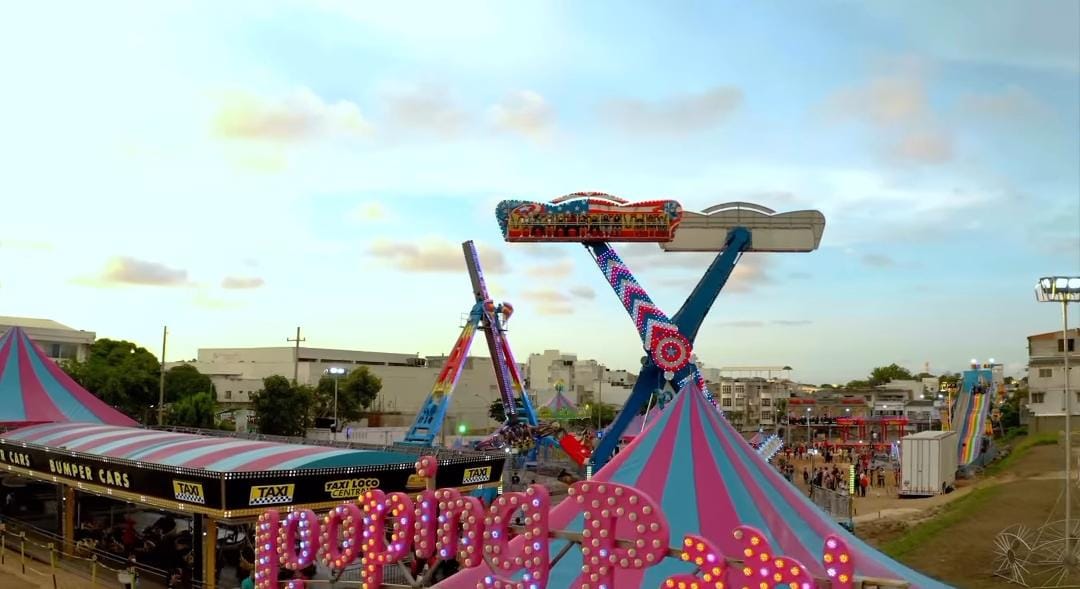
161	545
871	470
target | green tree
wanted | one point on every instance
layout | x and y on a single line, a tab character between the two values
194	410
857	384
282	408
121	374
1010	409
781	409
496	413
604	412
883	374
183	380
826	386
356	392
949	380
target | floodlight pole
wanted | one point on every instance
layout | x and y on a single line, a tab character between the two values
1064	289
1068	428
161	381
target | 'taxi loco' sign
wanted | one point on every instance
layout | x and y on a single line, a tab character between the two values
383	528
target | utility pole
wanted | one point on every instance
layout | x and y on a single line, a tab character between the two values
161	380
600	399
296	356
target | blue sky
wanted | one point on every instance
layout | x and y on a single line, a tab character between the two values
237	170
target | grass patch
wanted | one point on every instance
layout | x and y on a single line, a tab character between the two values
966	506
952	513
1019	450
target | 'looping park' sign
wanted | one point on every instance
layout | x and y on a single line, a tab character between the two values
382	528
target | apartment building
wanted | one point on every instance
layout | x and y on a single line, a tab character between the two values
1046	378
59	341
752	403
584	381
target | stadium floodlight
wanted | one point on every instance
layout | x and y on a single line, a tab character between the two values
335	372
1064	290
1052	289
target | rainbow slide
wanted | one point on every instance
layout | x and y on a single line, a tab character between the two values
971	413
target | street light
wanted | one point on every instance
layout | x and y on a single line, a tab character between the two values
335	373
1064	290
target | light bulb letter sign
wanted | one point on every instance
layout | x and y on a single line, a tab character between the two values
377	508
298	543
531	553
603	505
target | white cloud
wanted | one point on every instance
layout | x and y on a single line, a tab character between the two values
302	115
557	271
368	212
894	103
1011	103
425	109
1025	34
878	261
242	282
583	292
123	270
435	255
677	115
525	112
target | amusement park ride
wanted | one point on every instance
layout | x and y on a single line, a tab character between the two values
521	429
596	219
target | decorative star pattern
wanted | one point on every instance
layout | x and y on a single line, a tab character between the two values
668	348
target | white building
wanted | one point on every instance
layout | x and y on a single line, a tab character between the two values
583	381
59	341
931	386
1046	378
407	379
915	390
752	402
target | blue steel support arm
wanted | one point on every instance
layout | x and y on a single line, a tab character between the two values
646	384
697	305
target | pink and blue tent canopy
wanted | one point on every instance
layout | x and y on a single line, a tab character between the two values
212	453
560	402
638	424
33	389
708	480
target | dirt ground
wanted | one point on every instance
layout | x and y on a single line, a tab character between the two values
1030	493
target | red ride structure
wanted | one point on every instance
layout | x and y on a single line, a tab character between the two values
863	427
589	216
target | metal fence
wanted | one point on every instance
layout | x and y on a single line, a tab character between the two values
835	503
42	552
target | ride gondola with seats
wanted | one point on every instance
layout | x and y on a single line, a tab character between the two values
589	216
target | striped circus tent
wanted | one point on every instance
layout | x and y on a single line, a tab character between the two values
33	389
707	480
214	453
638	424
561	407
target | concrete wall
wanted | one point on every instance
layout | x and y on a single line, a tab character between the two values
1041	424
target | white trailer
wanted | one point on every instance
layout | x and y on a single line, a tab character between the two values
928	463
